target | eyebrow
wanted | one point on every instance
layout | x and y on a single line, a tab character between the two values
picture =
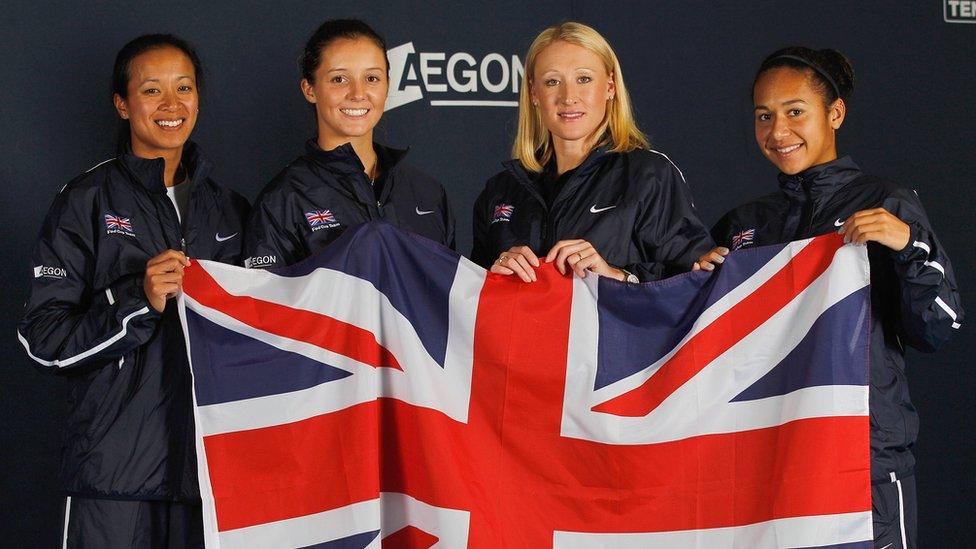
790	102
576	69
339	69
181	77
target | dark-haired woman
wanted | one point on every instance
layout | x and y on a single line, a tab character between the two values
800	103
109	259
344	178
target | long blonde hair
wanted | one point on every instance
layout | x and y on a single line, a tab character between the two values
533	142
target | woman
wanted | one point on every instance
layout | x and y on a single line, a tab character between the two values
800	98
584	189
108	261
344	178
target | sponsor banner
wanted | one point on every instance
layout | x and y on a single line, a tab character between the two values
453	79
959	11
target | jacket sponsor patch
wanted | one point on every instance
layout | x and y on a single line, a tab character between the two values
743	238
44	271
115	224
321	219
502	212
260	261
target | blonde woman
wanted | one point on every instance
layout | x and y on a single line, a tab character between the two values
584	190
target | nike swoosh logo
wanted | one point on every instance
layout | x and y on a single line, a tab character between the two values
595	210
219	238
838	223
888	546
423	212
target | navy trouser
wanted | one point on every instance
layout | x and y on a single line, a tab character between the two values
105	523
894	510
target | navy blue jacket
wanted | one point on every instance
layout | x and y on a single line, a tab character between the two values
322	193
129	432
634	208
914	299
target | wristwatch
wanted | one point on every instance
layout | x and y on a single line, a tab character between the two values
630	277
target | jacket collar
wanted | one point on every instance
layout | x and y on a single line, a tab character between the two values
344	162
149	171
820	180
530	179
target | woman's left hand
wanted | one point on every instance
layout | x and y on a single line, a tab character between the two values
581	256
876	225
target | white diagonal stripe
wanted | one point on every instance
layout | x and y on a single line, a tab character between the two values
702	405
422	382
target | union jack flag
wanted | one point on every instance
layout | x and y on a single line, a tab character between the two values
503	212
390	393
742	238
317	218
114	222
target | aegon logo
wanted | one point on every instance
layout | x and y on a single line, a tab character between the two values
49	272
260	261
438	74
959	11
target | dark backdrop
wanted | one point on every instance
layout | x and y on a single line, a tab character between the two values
689	66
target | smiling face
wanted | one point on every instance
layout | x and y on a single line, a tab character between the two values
349	91
794	129
570	87
161	102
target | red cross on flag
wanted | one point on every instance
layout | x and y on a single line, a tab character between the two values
388	393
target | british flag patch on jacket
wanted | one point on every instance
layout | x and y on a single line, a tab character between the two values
502	212
321	219
743	238
118	225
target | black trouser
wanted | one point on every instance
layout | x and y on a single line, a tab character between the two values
105	523
894	510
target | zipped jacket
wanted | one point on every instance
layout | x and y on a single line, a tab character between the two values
914	299
322	193
634	208
129	428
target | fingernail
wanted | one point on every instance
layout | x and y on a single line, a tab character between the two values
723	250
720	259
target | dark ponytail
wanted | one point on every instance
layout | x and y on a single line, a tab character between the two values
830	70
136	47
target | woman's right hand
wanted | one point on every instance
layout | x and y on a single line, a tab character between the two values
708	261
164	277
517	260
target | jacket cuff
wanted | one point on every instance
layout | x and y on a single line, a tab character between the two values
914	250
128	293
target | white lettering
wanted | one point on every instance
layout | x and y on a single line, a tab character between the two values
518	72
414	75
471	77
398	62
485	63
426	71
959	10
50	272
260	261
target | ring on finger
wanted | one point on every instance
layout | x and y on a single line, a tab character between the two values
580	256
